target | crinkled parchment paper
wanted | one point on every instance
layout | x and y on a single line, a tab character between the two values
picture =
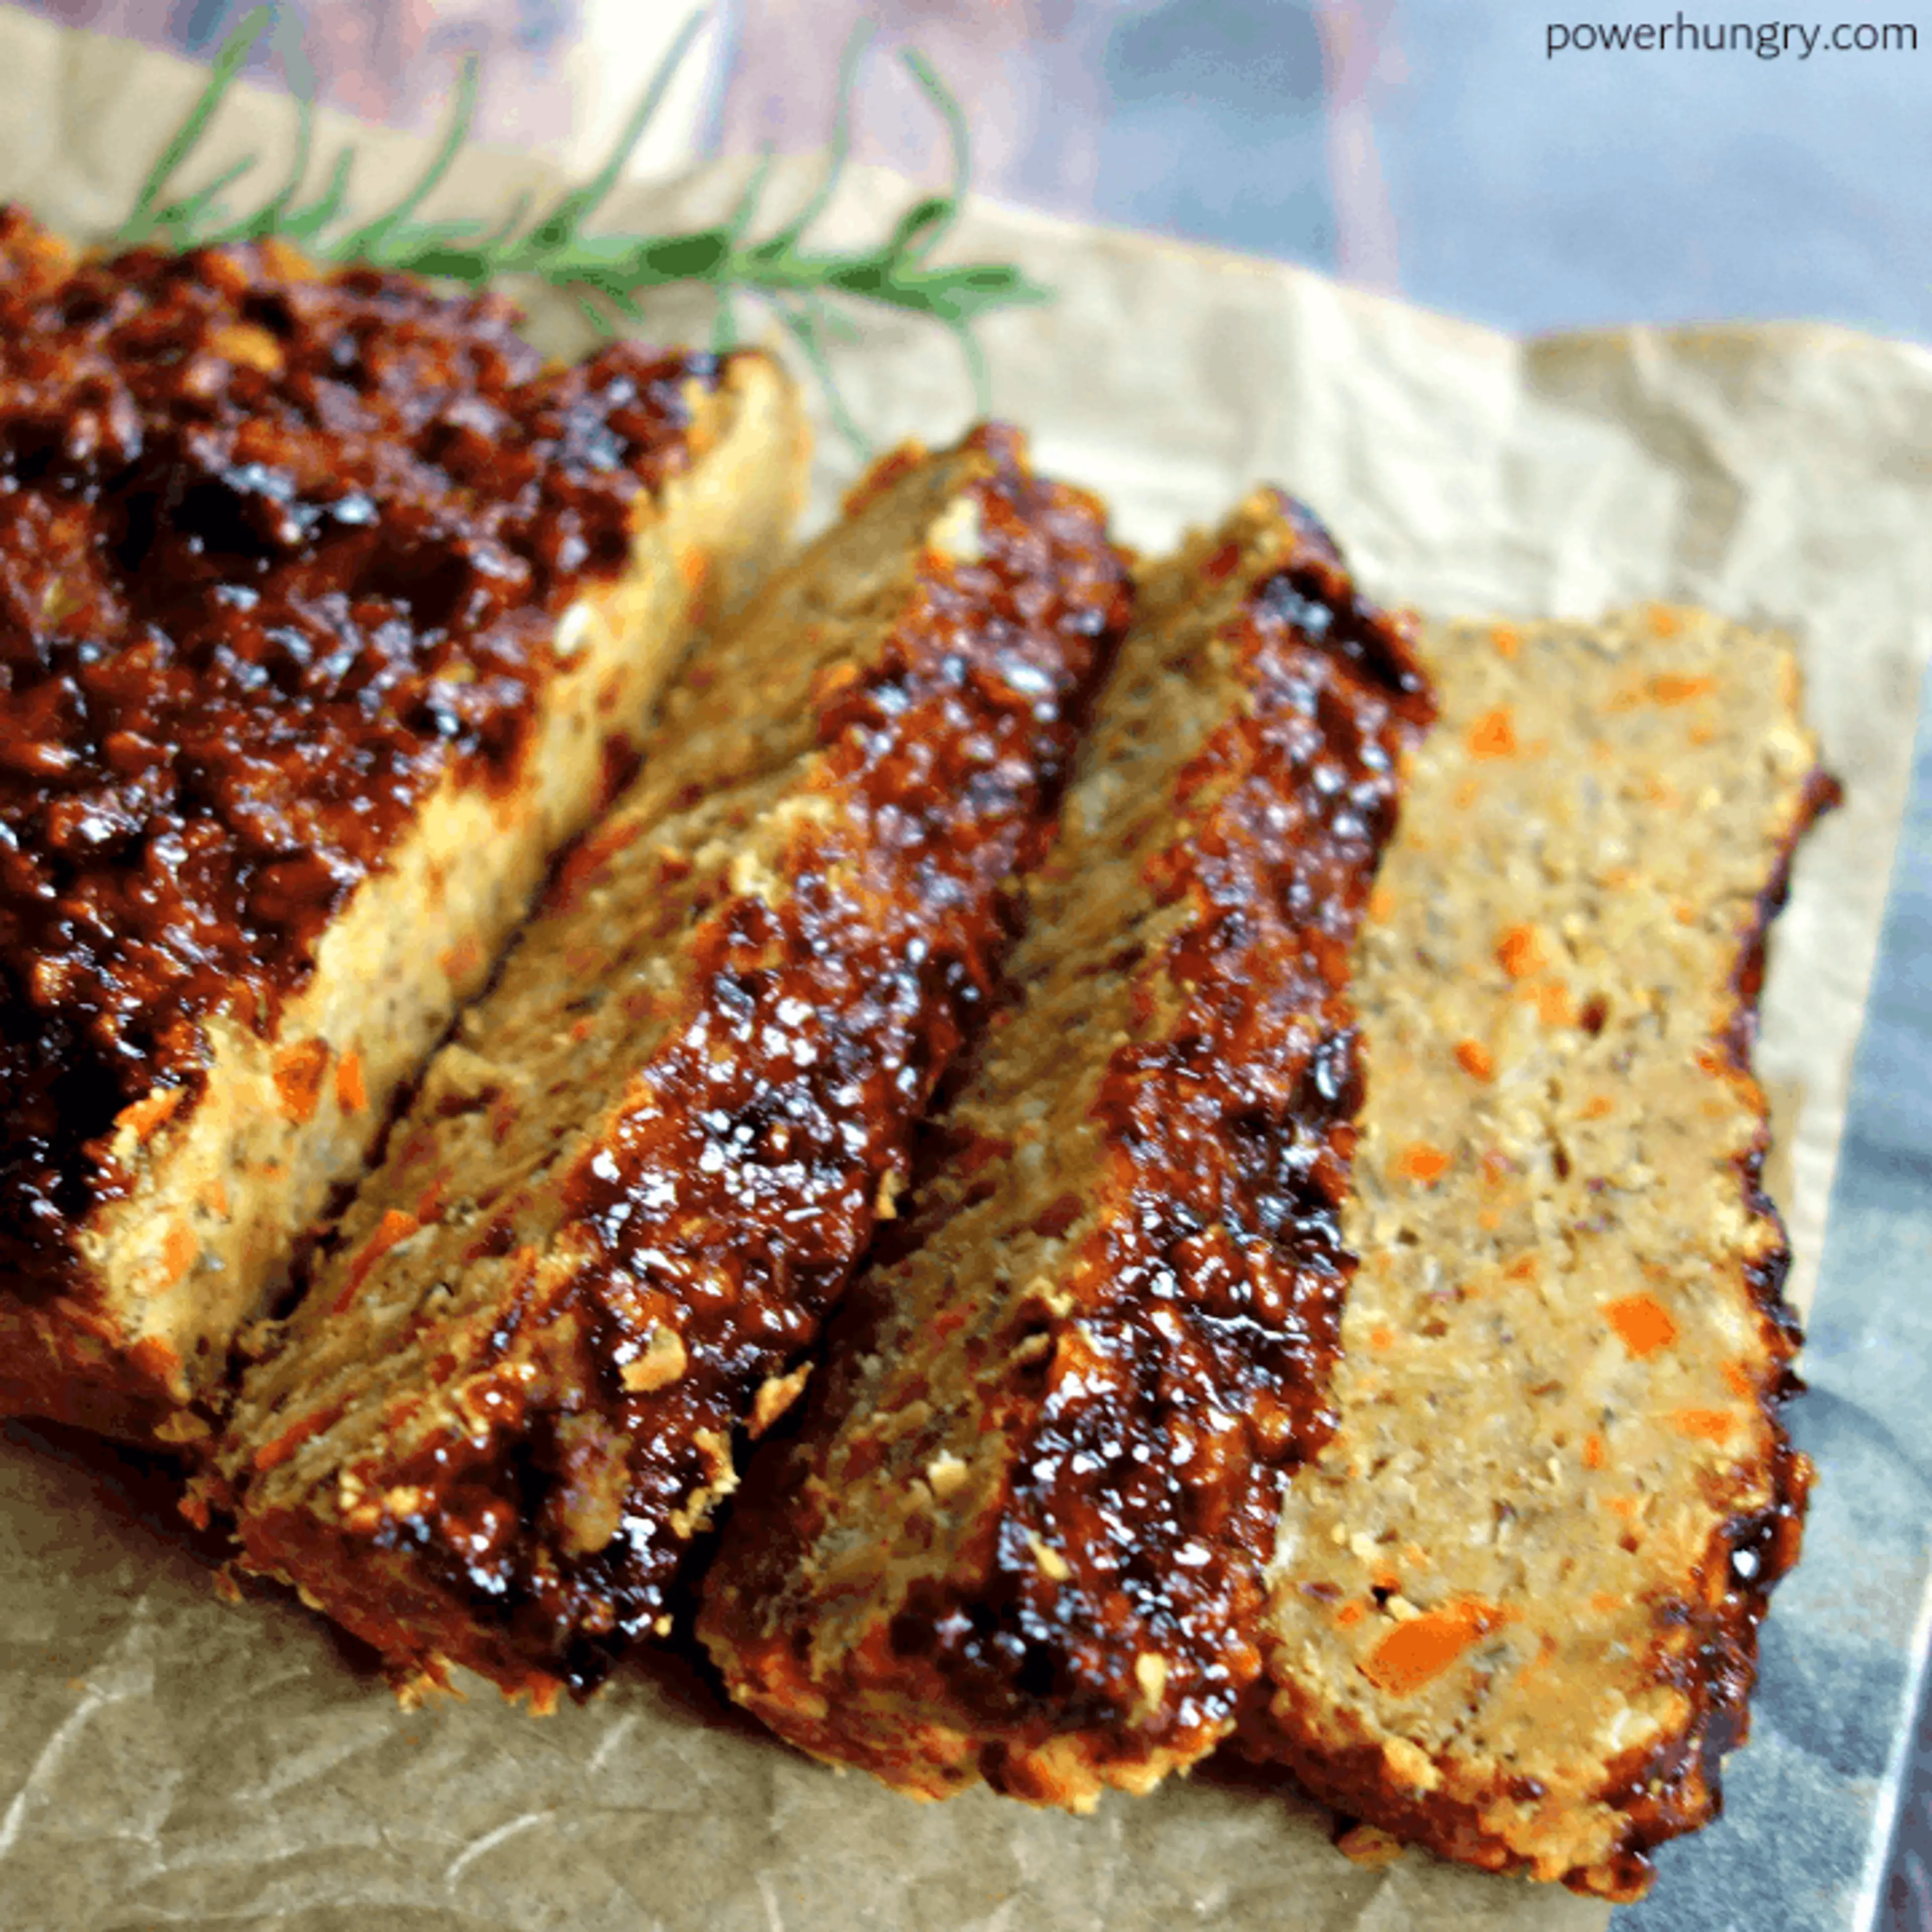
166	1759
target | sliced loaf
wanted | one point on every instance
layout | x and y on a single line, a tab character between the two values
609	1226
1021	1535
1515	1599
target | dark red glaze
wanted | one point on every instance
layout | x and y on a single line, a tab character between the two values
1153	1457
1147	1433
276	550
733	1206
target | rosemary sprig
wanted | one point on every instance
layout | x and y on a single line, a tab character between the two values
607	272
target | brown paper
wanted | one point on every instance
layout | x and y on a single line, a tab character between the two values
169	1758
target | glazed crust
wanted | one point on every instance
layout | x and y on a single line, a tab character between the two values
1516	1599
628	1192
326	606
1022	1535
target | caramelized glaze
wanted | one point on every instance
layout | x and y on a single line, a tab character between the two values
1208	1316
277	551
1097	1583
741	1185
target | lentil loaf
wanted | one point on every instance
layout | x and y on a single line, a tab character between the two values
325	606
1021	1535
632	1184
1514	1601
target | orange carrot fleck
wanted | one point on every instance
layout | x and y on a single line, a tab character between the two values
1495	1167
1702	733
1705	1425
1416	1653
1490	1220
1419	1161
1473	1056
1644	1323
1554	1006
179	1251
1351	1612
693	567
1525	1268
1629	1507
299	1072
1738	1380
214	1196
1381	905
1598	1107
1506	639
1605	1602
1594	1452
1671	688
147	1116
1381	1338
1664	621
459	962
1685	913
351	1095
271	1454
1493	735
394	1227
1518	951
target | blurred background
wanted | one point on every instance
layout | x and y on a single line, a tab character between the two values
1440	149
1436	148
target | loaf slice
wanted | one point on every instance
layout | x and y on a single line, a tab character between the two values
1021	1535
1515	1599
609	1226
325	608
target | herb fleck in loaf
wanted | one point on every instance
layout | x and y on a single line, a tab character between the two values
610	1226
323	606
1020	1536
1515	1599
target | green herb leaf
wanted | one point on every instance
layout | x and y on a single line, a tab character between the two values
228	63
608	272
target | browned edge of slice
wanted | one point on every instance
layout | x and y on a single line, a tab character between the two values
632	1187
1517	1598
1022	1535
